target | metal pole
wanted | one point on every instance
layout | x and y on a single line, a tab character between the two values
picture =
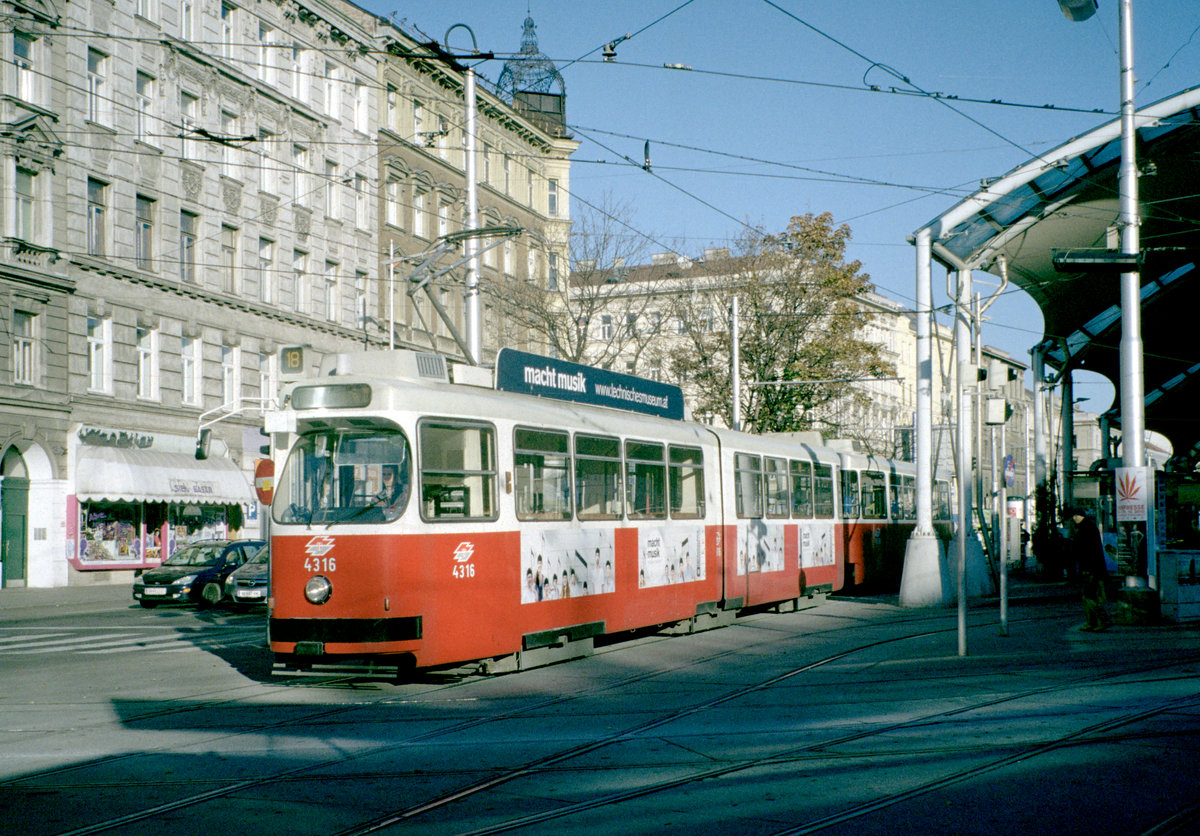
1003	488
923	443
964	384
1067	442
474	319
391	295
1132	397
735	371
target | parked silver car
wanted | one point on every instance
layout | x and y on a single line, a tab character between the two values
248	584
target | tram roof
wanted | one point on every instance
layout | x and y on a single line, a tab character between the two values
1067	199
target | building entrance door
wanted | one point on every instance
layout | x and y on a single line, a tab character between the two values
14	510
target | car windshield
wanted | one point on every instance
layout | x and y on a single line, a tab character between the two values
264	554
197	554
338	476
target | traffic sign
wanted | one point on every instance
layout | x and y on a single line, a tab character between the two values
264	480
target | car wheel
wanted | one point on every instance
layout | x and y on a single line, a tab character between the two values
210	596
148	604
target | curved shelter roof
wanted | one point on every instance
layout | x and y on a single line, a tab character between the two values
1067	199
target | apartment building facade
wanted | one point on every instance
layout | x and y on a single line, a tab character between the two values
189	187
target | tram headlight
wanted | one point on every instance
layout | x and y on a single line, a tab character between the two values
318	589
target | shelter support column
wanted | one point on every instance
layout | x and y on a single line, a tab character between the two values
923	582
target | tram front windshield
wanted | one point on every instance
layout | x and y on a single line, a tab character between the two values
343	476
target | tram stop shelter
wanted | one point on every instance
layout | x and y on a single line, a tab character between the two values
1063	206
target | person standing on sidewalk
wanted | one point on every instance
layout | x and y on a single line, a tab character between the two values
1087	553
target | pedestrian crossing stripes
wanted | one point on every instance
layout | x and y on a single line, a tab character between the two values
29	641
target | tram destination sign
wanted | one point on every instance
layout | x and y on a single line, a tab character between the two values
532	374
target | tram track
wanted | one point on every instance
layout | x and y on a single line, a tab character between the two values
325	715
546	763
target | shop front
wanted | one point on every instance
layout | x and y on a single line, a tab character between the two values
139	496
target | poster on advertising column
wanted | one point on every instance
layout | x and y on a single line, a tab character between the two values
1131	494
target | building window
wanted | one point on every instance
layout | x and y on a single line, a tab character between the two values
187	20
25	204
443	219
552	271
331	173
392	202
191	370
147	363
144	109
361	102
300	276
24	348
552	198
418	118
266	166
300	185
392	105
418	225
144	233
266	271
99	110
331	291
487	164
24	59
99	354
297	77
231	154
229	259
507	174
189	224
96	210
231	376
266	53
228	28
360	300
361	202
268	377
606	327
508	256
189	109
333	90
145	9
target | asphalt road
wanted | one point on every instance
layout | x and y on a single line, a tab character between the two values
849	716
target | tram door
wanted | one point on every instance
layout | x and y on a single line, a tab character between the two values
14	509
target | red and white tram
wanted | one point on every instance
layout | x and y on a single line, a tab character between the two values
436	523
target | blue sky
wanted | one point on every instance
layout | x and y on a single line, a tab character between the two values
776	116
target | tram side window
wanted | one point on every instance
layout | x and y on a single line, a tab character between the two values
802	490
646	480
778	498
542	465
850	506
941	500
904	498
458	471
687	483
823	491
874	494
747	484
598	477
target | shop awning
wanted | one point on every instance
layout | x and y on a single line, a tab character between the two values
133	475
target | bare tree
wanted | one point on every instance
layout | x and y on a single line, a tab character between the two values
802	324
596	313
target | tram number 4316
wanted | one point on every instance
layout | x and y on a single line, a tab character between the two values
462	555
320	564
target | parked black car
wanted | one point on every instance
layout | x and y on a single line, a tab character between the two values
195	572
248	583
